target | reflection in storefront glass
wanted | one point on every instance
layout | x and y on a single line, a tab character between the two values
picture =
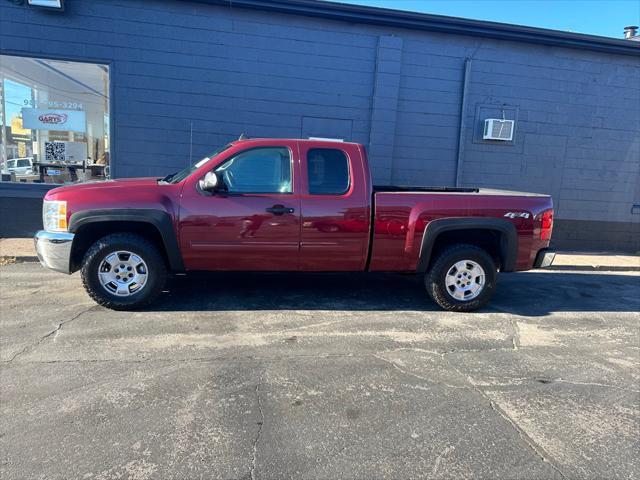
55	120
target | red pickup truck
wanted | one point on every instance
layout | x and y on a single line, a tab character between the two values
289	205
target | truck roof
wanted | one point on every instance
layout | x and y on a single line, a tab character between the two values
312	140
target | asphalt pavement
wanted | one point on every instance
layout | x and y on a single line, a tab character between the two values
265	376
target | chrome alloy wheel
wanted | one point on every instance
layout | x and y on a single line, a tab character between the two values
465	280
123	273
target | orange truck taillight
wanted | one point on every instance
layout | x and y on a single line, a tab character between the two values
547	225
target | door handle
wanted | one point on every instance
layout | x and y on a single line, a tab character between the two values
279	210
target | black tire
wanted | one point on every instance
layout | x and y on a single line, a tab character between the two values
156	271
435	277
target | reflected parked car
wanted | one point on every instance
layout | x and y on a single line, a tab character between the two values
19	166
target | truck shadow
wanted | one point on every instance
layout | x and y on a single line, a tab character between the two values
534	293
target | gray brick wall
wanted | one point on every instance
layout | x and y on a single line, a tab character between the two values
184	70
578	131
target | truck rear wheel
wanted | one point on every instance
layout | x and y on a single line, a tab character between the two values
462	278
123	271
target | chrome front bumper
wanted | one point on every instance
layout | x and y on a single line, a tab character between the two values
54	250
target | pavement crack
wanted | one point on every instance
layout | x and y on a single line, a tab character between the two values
523	435
220	358
252	470
477	350
312	325
595	384
397	367
531	381
516	334
442	456
52	334
538	450
412	349
415	375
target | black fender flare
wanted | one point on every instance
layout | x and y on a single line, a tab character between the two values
160	219
508	238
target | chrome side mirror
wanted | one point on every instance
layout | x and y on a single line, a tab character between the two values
210	182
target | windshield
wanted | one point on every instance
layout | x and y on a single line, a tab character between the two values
182	174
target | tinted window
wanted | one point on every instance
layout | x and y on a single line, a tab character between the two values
328	171
261	170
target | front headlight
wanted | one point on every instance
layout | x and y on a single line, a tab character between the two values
54	216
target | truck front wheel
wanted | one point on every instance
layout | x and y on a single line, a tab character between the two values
123	271
462	278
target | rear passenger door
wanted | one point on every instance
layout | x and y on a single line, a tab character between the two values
334	204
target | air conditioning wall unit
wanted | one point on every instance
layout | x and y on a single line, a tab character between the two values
498	129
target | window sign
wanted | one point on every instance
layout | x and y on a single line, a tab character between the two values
68	152
54	120
54	104
50	119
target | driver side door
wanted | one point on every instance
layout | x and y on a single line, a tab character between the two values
254	223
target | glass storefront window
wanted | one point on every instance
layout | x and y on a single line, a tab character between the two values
55	120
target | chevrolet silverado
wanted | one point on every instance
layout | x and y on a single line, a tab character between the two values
289	205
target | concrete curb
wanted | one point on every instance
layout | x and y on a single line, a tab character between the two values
577	261
18	259
27	258
591	268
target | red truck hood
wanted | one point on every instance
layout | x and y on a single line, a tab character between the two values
142	193
144	182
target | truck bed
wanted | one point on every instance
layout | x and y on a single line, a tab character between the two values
401	214
395	188
480	191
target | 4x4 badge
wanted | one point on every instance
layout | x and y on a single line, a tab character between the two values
517	215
